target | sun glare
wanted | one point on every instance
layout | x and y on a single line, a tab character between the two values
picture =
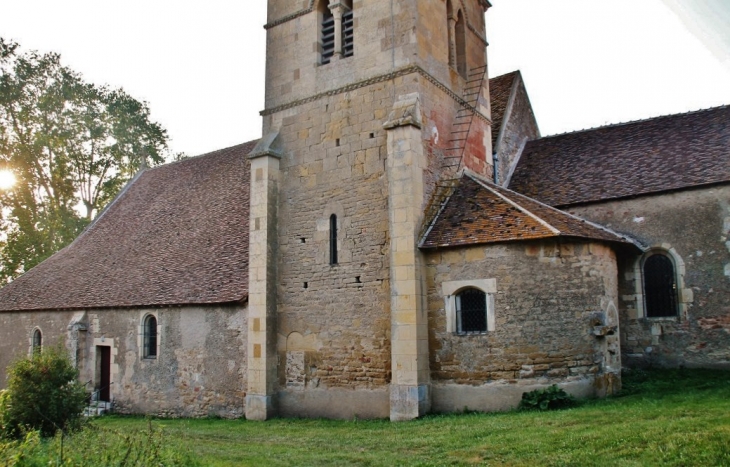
7	179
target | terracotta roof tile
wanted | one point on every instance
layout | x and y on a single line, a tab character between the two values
177	235
479	212
649	156
500	88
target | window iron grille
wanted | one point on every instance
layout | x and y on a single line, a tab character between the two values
471	311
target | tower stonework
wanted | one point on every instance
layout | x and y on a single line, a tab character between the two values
353	173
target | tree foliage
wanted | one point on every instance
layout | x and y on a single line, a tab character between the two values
43	394
71	145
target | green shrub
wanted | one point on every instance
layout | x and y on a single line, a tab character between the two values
26	452
43	394
549	398
98	447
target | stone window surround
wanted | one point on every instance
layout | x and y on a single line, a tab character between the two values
684	296
141	334
450	289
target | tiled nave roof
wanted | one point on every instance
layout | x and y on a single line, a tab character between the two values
630	159
178	234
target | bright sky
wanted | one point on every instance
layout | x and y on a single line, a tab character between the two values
200	65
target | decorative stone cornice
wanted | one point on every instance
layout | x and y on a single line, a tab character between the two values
375	80
290	17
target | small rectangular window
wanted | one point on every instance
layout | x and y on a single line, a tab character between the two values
471	311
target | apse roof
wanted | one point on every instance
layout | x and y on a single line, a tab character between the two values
479	212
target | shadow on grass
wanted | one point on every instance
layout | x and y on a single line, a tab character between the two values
659	383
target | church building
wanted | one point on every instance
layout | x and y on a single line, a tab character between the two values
400	241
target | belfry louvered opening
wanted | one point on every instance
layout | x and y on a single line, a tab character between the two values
348	34
337	30
328	36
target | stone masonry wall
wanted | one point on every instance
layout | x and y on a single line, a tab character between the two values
16	331
549	297
199	369
695	226
333	327
293	70
334	321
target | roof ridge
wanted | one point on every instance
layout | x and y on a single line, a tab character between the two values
136	177
521	208
632	122
514	72
172	163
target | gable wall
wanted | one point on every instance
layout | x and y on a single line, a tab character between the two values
696	225
519	127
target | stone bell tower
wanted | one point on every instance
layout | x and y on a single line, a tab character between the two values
371	105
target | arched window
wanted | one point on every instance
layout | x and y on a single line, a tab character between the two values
37	343
471	311
333	239
150	337
660	286
460	40
450	25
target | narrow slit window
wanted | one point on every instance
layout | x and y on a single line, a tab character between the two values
460	33
333	239
37	341
150	337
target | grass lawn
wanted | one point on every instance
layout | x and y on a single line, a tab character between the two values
663	418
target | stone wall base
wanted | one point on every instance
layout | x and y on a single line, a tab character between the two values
343	404
409	402
493	397
259	407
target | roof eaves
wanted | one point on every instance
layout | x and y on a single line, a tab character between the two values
585	202
626	238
